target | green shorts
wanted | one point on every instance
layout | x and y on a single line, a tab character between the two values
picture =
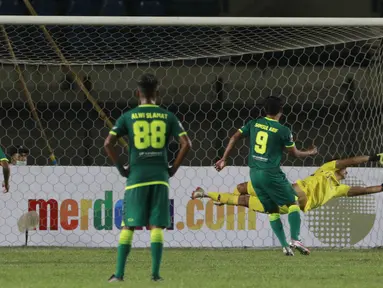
272	188
147	205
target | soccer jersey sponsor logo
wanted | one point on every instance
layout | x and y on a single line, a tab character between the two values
259	158
150	154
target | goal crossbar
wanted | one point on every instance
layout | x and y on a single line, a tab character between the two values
188	21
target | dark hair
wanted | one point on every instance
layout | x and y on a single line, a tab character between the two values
148	84
273	105
18	149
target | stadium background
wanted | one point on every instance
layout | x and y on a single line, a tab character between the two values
328	90
333	95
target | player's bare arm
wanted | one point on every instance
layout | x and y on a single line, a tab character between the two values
344	163
360	191
109	145
185	146
233	140
302	154
6	173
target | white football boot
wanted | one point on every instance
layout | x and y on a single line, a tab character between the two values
295	244
288	251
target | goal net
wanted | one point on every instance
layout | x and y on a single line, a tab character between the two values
79	75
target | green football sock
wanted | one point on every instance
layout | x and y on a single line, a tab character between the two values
295	222
277	226
124	247
157	240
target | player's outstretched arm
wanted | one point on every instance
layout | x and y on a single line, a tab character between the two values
185	145
233	140
109	144
6	173
359	191
302	154
344	163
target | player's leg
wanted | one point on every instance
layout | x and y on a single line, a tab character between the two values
219	198
284	194
159	219
156	246
294	218
223	198
135	215
123	250
251	202
250	189
255	204
242	188
260	180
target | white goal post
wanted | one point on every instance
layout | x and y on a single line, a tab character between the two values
79	75
190	21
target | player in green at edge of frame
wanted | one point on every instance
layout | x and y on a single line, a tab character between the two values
146	200
6	170
267	141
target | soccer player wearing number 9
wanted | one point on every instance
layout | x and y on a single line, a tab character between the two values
268	139
146	202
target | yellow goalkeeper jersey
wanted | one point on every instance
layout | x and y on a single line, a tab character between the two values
322	186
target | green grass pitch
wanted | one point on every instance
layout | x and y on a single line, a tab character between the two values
183	268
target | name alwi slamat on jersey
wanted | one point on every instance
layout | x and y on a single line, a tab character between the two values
149	115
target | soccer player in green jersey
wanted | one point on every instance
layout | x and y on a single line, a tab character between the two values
146	202
6	170
268	138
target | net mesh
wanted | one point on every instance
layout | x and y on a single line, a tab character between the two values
214	80
100	45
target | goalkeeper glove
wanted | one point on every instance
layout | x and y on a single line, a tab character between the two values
377	157
124	171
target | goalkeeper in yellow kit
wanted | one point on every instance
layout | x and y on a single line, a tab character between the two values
312	192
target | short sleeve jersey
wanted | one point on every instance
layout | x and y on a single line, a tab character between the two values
268	139
148	128
2	156
322	186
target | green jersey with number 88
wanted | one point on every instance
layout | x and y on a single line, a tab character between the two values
268	139
148	128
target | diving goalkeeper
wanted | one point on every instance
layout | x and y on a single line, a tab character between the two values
312	192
